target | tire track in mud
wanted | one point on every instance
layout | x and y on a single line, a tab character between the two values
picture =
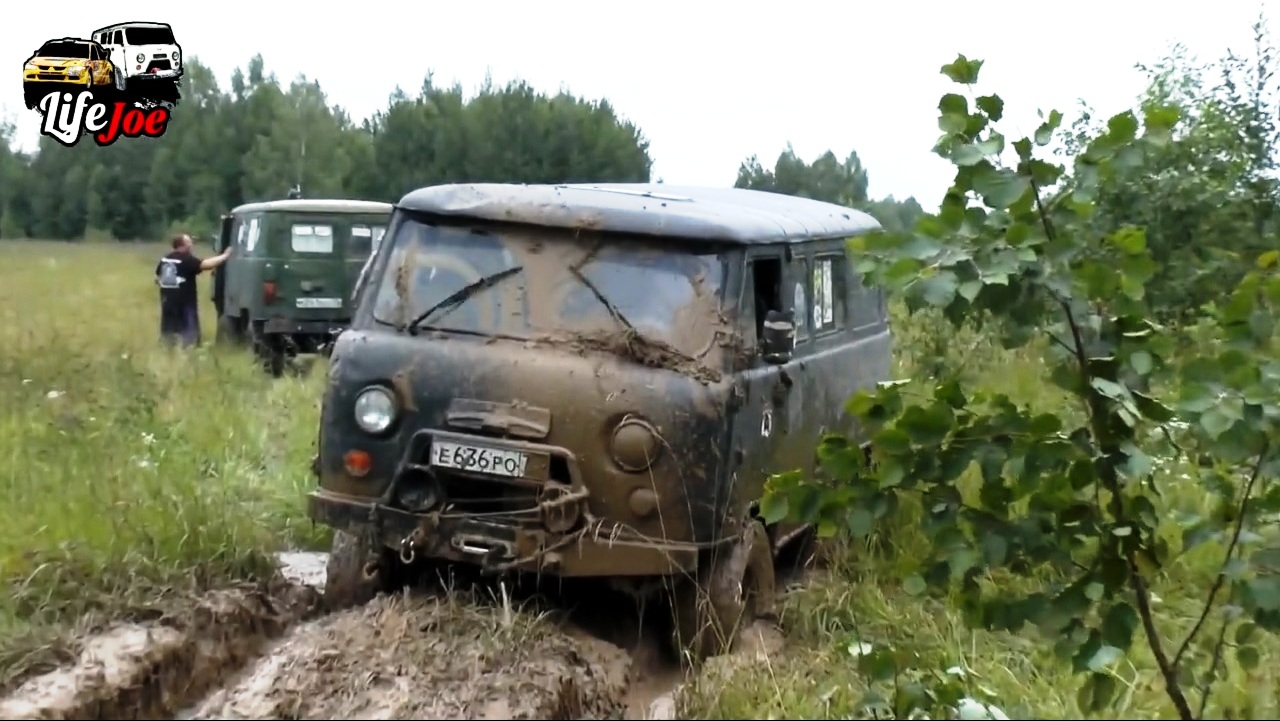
270	652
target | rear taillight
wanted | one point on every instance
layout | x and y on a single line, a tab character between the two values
268	292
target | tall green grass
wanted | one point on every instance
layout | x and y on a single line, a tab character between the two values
130	472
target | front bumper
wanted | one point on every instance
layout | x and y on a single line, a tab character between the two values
158	75
502	547
32	77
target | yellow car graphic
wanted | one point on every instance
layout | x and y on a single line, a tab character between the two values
68	61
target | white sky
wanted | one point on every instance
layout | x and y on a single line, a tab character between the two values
709	82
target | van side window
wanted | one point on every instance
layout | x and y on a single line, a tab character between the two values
828	293
361	240
800	301
311	238
118	37
767	288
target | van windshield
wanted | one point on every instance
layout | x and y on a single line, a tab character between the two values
549	284
148	36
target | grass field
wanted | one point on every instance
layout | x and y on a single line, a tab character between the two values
132	473
129	473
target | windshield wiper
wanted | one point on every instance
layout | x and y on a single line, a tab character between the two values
609	306
621	319
457	297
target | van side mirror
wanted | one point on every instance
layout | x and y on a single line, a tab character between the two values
778	341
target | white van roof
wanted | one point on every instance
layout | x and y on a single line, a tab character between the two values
119	26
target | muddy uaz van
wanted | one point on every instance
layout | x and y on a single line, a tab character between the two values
593	381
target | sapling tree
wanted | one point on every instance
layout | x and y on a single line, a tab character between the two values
1071	498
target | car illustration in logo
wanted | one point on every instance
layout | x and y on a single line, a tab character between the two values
142	52
66	63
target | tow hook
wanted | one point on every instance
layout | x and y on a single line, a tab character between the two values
407	553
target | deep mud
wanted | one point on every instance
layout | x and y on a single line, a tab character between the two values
414	657
266	653
143	671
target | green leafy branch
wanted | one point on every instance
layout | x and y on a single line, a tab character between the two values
1070	498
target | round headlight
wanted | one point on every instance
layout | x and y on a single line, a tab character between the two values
175	56
635	445
141	57
375	410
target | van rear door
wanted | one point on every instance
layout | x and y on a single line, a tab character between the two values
313	282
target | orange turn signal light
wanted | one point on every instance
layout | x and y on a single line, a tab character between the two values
358	463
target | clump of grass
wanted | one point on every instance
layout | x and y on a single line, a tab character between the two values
129	471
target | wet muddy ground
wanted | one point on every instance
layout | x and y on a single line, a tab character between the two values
270	652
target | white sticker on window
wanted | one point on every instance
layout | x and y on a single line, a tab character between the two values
252	240
828	300
799	305
361	231
817	295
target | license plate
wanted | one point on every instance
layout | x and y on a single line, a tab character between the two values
319	302
481	459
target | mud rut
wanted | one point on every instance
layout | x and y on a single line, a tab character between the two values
271	652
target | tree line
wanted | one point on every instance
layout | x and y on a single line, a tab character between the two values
1207	197
258	138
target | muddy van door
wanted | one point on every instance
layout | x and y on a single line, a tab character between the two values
312	278
759	390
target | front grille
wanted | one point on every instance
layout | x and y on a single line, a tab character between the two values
50	76
159	65
475	495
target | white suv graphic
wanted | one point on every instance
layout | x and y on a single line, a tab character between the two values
141	51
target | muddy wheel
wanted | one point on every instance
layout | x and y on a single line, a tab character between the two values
356	571
733	587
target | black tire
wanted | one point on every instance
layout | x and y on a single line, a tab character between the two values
733	588
118	80
356	572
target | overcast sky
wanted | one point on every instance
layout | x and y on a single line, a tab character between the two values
709	82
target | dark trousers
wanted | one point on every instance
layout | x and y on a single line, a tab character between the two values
180	323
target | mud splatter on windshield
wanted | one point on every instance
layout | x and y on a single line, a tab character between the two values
657	304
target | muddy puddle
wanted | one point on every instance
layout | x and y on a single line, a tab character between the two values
270	653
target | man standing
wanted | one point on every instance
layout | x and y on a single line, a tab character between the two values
179	307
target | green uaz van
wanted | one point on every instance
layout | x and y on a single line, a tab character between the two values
288	286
